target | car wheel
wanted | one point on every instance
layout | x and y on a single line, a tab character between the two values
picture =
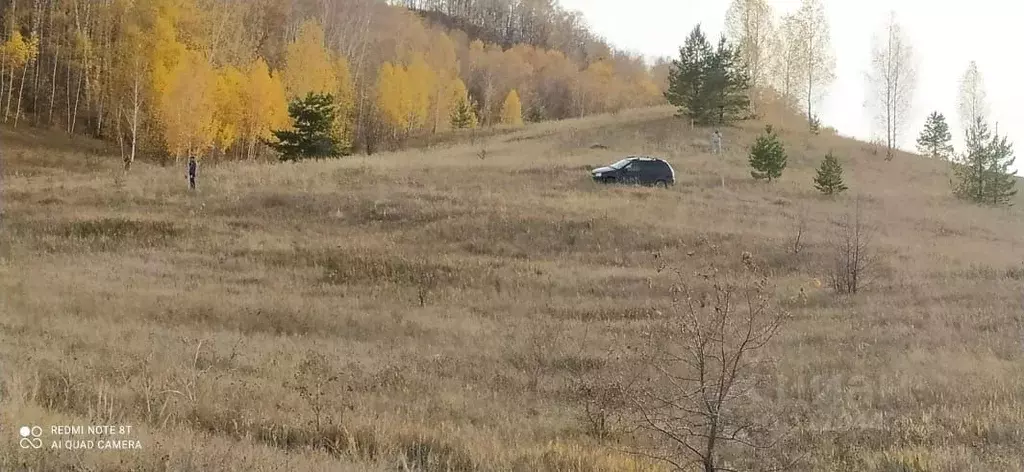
609	180
661	183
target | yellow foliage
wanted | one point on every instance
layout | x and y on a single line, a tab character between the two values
650	90
266	108
229	99
443	60
601	86
344	98
123	46
308	65
459	92
187	106
460	96
512	110
476	52
17	52
403	94
441	55
391	82
159	25
420	87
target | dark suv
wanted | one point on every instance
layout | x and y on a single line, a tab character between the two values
637	170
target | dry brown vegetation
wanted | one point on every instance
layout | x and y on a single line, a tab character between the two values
432	310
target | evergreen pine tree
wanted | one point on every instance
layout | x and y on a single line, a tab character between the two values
983	172
313	134
709	86
727	85
814	124
462	116
935	138
767	156
687	76
830	176
1002	178
969	169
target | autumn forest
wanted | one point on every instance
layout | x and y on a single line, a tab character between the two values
213	78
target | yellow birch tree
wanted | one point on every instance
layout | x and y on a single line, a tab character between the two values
265	106
391	88
420	85
308	64
187	107
229	103
512	110
442	58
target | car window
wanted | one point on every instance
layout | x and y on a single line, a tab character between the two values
620	164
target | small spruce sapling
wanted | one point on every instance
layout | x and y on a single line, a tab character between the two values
829	180
767	156
935	138
815	125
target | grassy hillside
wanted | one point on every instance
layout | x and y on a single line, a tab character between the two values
446	305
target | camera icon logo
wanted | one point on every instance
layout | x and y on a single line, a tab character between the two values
30	437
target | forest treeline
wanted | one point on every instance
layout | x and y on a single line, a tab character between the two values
214	77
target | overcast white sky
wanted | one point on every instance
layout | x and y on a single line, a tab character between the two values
946	36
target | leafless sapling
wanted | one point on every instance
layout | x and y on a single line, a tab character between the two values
852	257
703	365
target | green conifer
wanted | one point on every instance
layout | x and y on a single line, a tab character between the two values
830	176
767	156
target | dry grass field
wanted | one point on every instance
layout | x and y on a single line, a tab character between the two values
435	310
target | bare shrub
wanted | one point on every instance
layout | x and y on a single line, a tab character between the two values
604	393
318	385
704	365
852	257
534	355
796	242
604	407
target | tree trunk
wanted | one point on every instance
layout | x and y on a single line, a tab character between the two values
810	75
708	460
120	136
21	89
67	103
136	105
39	67
35	87
810	86
437	108
53	82
3	70
10	96
78	94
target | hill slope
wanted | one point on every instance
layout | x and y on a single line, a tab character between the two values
446	304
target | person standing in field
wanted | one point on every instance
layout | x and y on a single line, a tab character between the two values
716	142
193	168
